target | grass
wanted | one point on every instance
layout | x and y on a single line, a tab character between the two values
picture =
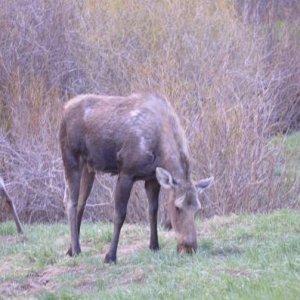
291	168
239	257
291	144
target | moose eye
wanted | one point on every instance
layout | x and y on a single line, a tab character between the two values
178	209
175	183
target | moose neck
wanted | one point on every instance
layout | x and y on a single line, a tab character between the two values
174	147
178	165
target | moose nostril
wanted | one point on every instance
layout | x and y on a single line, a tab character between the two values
187	248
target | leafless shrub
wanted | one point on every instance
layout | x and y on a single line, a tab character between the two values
231	73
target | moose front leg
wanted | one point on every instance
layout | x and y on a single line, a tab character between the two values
122	194
12	209
14	213
152	189
9	202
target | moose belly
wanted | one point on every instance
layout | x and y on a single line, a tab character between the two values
103	159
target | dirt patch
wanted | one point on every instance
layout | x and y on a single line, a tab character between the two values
87	284
9	288
132	247
36	282
8	264
48	277
12	239
137	276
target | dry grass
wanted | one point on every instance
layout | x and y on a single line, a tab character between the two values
233	82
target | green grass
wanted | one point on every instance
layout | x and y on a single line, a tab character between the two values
291	146
289	171
239	257
292	142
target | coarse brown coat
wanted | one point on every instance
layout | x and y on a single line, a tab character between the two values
138	137
5	196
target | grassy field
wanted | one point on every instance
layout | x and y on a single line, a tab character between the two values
239	257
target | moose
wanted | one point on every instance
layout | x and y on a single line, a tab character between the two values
4	195
138	137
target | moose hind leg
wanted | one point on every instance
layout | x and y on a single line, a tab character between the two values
152	189
72	177
86	184
122	194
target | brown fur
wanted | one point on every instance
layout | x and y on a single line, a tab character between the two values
10	204
134	137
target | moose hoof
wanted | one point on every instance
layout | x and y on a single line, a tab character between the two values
167	225
110	259
20	231
71	253
154	247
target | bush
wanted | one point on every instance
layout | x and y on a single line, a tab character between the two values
233	81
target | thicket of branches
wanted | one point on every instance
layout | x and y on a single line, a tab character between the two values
231	69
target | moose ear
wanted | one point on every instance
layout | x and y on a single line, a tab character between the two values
164	178
1	183
203	184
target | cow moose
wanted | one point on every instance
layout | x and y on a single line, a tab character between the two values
4	195
138	137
